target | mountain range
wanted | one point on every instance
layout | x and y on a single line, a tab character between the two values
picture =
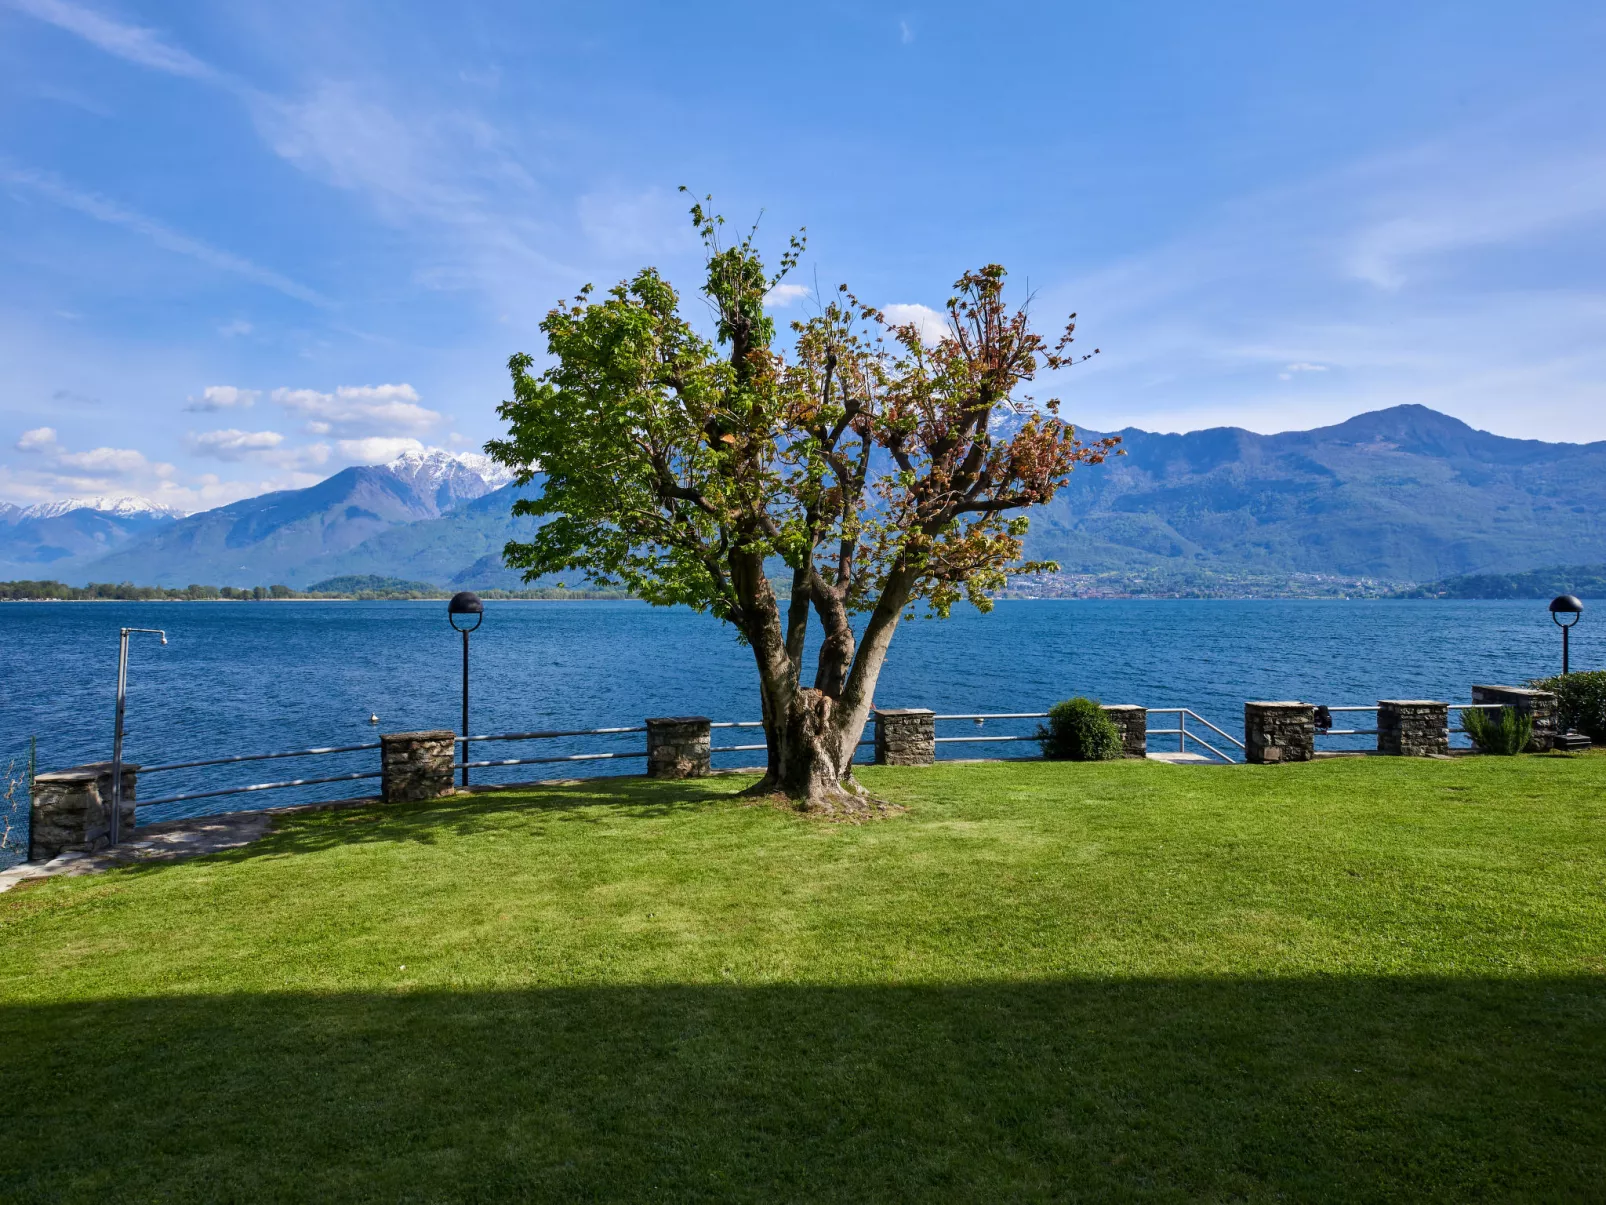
1401	495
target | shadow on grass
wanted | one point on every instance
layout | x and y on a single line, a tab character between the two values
592	802
1154	1089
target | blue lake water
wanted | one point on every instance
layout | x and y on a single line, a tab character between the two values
261	677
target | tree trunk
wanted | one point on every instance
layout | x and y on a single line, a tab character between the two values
811	735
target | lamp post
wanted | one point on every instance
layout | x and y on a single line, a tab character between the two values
117	728
1561	607
465	603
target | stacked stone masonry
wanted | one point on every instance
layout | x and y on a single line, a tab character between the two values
72	810
1279	732
416	765
1413	728
1540	705
905	737
677	747
1133	724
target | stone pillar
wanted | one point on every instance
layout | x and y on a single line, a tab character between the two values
416	765
905	736
1133	724
72	810
1413	727
1279	732
1540	705
677	747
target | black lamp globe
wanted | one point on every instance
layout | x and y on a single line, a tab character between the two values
465	605
1565	611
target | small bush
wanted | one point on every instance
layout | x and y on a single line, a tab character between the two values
1078	730
1504	732
1580	701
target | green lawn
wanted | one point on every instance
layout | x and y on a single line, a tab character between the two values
1357	979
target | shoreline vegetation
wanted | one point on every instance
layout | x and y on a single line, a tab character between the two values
356	588
1586	581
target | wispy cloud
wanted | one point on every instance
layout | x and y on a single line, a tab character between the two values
51	188
131	42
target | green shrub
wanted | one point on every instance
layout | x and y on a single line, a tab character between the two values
1504	732
1581	702
1078	730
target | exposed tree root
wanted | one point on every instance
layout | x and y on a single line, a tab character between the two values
846	803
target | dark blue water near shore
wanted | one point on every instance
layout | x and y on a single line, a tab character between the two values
260	677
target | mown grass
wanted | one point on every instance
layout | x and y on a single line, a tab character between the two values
1360	979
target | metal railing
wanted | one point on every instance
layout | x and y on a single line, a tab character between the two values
462	761
1182	734
457	764
981	718
1373	707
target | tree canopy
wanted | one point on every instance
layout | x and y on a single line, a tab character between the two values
872	468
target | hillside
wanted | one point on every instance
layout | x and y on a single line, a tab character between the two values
1395	496
1405	494
57	537
1582	581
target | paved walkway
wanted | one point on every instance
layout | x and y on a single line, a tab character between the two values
166	842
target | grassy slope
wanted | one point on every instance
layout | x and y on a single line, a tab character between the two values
1368	979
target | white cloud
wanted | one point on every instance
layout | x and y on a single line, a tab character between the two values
783	295
130	42
932	325
231	444
222	397
1301	366
377	449
40	439
360	409
238	327
108	462
48	186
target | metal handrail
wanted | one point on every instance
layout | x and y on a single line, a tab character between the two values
220	761
541	761
999	715
538	736
261	786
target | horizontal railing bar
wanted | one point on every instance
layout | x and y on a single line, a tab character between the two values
736	748
976	740
1348	708
738	724
261	786
1168	731
222	761
541	761
1346	732
1212	727
1199	740
1002	715
536	736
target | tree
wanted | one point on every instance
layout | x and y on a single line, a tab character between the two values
865	462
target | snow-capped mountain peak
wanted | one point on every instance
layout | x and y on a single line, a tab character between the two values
124	506
449	477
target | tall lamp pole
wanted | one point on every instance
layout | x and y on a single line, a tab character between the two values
1560	608
117	730
467	604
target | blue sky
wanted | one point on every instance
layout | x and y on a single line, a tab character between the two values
245	244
